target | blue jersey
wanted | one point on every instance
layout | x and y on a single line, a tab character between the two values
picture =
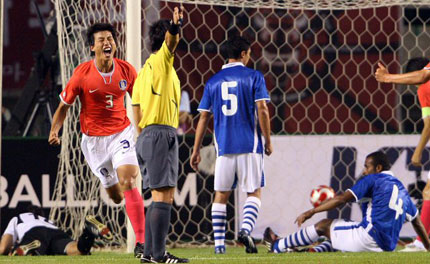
231	95
386	206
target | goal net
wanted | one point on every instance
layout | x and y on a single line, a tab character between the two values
318	59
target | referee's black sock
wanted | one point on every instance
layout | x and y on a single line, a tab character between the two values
148	234
160	221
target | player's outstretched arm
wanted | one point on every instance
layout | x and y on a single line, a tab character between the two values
264	121
57	123
425	136
172	35
416	77
327	205
200	132
6	244
421	232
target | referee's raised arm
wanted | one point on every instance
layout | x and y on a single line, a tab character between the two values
172	36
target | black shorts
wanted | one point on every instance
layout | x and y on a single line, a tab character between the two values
157	153
53	241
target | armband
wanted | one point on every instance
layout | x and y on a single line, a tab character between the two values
174	28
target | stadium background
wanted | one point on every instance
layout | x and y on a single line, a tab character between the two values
318	66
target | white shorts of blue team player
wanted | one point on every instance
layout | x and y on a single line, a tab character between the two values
350	237
104	154
243	169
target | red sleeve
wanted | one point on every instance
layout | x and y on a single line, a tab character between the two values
73	88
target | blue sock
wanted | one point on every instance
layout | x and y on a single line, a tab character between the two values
325	246
304	237
219	221
250	213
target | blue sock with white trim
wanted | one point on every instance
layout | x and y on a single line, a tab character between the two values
219	221
325	246
304	237
250	213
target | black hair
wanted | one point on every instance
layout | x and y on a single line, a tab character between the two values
35	210
157	33
234	47
379	158
416	64
97	27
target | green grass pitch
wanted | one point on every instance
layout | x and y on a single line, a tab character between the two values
234	255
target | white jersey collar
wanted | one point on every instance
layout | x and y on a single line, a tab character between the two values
106	74
232	64
388	172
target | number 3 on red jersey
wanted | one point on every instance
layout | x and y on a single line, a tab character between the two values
109	101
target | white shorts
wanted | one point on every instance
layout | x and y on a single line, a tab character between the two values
245	169
349	236
104	154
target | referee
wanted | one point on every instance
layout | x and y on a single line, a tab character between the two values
156	97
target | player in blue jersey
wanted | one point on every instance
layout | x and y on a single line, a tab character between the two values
386	205
237	97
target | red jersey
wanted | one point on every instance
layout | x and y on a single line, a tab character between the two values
102	96
424	92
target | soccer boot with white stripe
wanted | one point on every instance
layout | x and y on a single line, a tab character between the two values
138	250
27	249
269	238
147	259
248	242
98	229
415	246
220	250
169	258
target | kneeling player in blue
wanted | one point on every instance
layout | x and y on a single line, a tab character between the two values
386	205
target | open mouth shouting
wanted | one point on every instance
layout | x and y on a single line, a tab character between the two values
107	51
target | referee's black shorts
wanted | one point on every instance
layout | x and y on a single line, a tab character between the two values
157	153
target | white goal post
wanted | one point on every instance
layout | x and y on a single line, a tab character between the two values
133	14
318	60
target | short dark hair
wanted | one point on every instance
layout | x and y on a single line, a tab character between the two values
36	210
416	64
379	158
235	46
157	33
97	27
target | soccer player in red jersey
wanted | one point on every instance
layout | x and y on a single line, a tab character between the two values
418	73
108	136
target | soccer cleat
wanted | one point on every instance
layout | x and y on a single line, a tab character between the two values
168	258
146	259
138	250
220	250
413	247
27	249
248	242
269	238
97	228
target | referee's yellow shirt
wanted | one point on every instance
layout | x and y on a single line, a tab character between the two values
157	90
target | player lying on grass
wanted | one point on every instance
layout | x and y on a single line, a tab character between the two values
33	234
417	72
385	203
